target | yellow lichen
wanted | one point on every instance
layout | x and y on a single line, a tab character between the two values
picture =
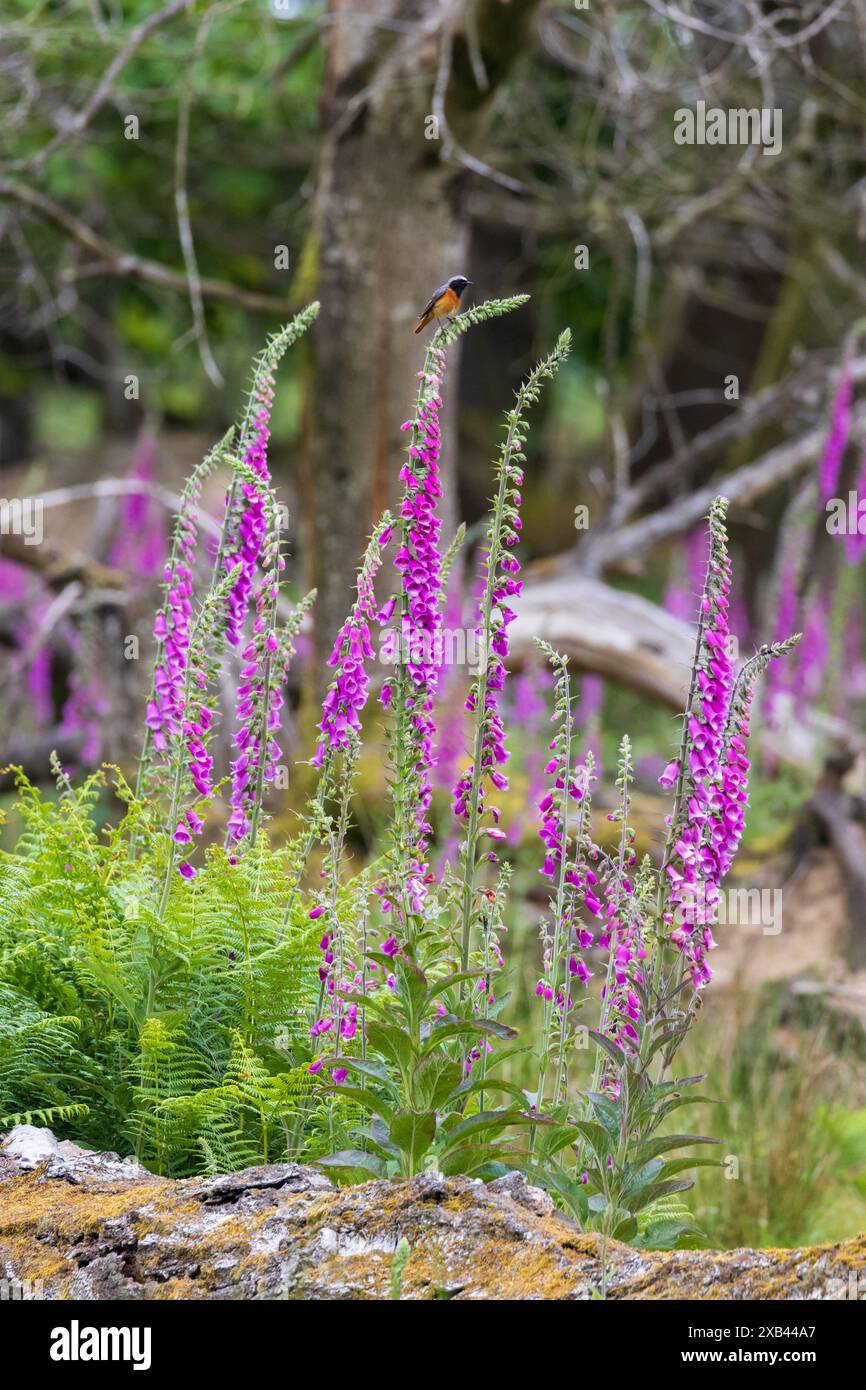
462	1244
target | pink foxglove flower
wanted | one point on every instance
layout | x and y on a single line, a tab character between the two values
693	868
837	439
855	540
139	546
351	653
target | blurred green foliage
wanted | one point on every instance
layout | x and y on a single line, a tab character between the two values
68	417
793	1115
253	120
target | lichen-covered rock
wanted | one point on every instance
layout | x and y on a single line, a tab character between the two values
80	1225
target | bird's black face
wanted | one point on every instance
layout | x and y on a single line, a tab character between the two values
458	284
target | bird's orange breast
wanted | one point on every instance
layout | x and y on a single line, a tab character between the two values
445	304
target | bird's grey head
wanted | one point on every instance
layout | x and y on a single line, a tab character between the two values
458	284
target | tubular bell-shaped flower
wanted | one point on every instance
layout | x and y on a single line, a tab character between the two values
260	698
691	865
840	428
733	780
623	926
347	693
412	688
564	939
416	646
189	747
173	622
495	614
139	545
419	563
245	525
248	536
711	793
855	540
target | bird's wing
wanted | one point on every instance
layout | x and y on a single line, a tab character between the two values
437	294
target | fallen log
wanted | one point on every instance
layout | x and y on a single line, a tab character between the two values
834	811
608	631
75	1224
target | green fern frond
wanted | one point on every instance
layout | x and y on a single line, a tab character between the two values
182	1037
53	1115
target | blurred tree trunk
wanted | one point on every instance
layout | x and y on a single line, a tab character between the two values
390	225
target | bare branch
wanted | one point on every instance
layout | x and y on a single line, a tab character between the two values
741	487
752	414
103	88
112	260
62	568
184	225
125	487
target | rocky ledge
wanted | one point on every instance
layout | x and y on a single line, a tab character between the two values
74	1224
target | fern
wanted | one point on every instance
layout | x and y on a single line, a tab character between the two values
52	1116
181	1037
666	1225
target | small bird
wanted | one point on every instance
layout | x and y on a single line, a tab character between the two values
444	301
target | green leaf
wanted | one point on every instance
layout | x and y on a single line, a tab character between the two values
434	1079
616	1055
411	985
663	1040
669	1106
361	1064
381	1005
487	1083
392	1042
50	1115
682	1165
605	1111
451	1027
553	1179
557	1137
658	1190
667	1232
597	1137
493	1121
626	1229
457	978
413	1132
352	1166
377	1141
505	1054
648	1173
659	1090
650	1148
470	1157
368	1100
398	1264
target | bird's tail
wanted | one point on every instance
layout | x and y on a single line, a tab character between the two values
423	322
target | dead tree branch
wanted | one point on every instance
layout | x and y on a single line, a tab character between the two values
113	260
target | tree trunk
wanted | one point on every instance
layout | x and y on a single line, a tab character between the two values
390	225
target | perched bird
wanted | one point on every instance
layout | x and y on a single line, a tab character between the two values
444	301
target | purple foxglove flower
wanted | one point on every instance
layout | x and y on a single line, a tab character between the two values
353	648
696	860
830	466
855	541
139	546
